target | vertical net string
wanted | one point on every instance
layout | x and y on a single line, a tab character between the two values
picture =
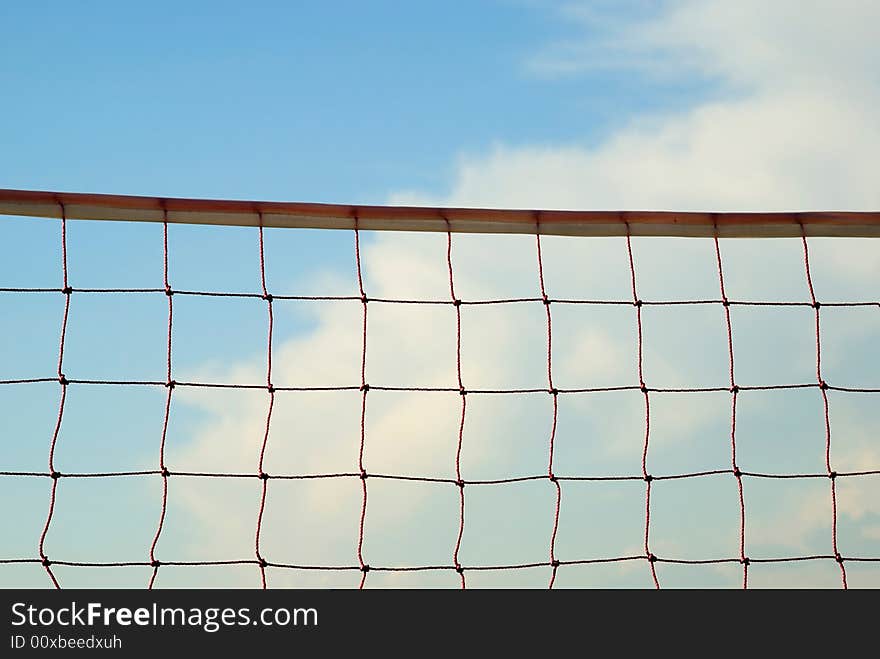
270	388
734	392
823	388
364	389
554	563
169	385
637	303
461	390
67	290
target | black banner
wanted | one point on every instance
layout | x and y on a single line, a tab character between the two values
421	621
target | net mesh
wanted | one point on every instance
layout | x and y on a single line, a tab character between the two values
554	561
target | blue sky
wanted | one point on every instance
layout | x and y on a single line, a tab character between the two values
677	105
322	101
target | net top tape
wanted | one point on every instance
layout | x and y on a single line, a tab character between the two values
417	218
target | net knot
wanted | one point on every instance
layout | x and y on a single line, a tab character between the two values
165	473
823	385
365	387
648	478
838	557
364	299
364	474
643	388
170	384
554	563
63	380
55	475
456	302
637	303
725	302
264	476
46	562
168	291
462	391
459	568
553	391
652	558
263	563
268	297
745	560
365	568
832	475
552	477
734	389
816	305
460	483
155	563
67	290
545	300
737	472
271	388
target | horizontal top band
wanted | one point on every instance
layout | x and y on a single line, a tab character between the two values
81	206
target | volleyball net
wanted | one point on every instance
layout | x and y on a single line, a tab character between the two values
423	388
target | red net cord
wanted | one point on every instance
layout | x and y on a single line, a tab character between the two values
169	383
734	392
463	392
551	389
823	388
648	478
365	568
264	477
67	290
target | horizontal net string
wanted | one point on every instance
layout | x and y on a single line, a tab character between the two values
534	390
431	479
448	302
425	568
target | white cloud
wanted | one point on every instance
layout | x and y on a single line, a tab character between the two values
749	45
795	129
